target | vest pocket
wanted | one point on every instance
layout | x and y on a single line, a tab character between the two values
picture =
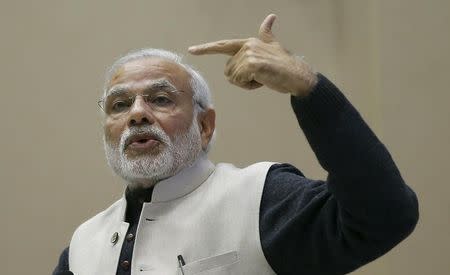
222	264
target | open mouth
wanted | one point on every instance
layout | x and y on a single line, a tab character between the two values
142	141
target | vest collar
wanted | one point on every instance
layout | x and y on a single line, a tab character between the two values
183	183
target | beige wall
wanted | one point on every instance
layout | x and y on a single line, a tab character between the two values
391	58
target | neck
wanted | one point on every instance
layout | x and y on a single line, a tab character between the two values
139	194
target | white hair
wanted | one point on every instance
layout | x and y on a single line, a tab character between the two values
201	93
199	86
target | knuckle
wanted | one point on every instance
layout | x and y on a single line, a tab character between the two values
253	63
251	43
252	60
249	52
253	40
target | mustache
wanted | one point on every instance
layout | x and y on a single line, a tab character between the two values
148	130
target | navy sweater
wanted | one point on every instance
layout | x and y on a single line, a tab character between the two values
315	227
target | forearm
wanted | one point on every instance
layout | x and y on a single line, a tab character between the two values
363	178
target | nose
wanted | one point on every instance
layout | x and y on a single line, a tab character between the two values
140	113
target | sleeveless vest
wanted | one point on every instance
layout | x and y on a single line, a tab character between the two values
207	214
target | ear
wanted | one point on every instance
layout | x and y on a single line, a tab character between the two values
207	124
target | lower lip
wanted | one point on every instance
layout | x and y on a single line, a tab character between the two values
149	144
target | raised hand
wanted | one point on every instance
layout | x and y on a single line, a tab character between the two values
262	61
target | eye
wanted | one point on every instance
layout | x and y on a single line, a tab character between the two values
120	106
161	101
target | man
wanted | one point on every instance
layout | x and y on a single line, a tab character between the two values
183	215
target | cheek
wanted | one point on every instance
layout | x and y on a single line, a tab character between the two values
112	133
176	125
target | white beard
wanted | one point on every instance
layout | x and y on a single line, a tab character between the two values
147	170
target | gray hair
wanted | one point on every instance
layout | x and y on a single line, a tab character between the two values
200	89
201	93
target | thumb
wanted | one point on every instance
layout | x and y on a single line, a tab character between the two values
265	30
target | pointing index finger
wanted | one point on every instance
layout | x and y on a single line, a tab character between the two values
228	47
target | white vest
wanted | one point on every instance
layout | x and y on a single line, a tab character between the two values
207	214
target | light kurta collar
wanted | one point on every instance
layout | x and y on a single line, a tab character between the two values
186	181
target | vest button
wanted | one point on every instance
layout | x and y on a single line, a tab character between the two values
125	265
115	238
130	237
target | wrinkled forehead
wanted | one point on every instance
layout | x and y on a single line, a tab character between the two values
144	70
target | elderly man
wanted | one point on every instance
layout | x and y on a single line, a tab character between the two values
181	214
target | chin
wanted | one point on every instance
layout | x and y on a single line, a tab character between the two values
146	170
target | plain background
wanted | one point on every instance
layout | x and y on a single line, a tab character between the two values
391	59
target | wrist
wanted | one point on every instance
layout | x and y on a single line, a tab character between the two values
305	85
305	79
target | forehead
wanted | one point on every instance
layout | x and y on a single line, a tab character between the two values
143	70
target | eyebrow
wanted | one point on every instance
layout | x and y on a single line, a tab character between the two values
158	84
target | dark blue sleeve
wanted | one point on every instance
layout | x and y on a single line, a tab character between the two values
361	211
63	263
